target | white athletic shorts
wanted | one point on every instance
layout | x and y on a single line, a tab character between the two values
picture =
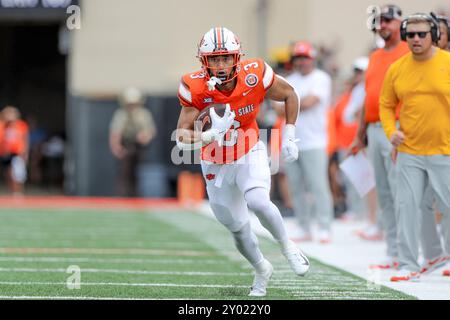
226	185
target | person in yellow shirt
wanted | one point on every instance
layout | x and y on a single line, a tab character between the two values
421	82
435	256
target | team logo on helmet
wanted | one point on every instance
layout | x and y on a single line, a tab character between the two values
251	80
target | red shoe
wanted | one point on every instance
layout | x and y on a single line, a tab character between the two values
305	238
375	237
406	275
433	264
302	236
347	217
371	233
446	271
388	263
324	237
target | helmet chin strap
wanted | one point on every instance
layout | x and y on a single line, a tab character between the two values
219	79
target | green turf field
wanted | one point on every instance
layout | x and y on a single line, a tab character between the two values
148	255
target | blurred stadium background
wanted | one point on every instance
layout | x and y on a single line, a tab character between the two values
69	80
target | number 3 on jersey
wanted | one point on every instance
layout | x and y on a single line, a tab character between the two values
232	135
252	64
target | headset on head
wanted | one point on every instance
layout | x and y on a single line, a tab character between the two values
431	19
443	19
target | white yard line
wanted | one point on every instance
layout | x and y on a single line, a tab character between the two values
84	298
125	284
107	260
92	298
137	251
66	298
120	284
120	271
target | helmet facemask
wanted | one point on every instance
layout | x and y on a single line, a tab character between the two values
221	74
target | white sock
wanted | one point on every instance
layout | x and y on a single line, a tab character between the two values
258	200
247	244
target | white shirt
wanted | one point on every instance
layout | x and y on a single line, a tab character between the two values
357	97
311	125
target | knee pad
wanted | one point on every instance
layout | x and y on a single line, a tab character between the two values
258	199
233	222
245	236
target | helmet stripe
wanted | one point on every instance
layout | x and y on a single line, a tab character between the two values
215	39
219	37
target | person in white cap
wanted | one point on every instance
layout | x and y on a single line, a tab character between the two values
358	93
132	127
309	173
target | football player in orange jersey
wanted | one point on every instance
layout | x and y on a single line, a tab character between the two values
234	161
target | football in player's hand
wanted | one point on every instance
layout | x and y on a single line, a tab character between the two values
203	121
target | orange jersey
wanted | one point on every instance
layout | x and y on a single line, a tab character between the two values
379	63
13	137
345	132
253	80
331	131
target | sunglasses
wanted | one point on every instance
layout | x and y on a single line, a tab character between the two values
421	34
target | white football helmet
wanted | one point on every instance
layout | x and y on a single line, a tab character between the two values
220	41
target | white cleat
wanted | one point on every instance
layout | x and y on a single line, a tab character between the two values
298	261
261	280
